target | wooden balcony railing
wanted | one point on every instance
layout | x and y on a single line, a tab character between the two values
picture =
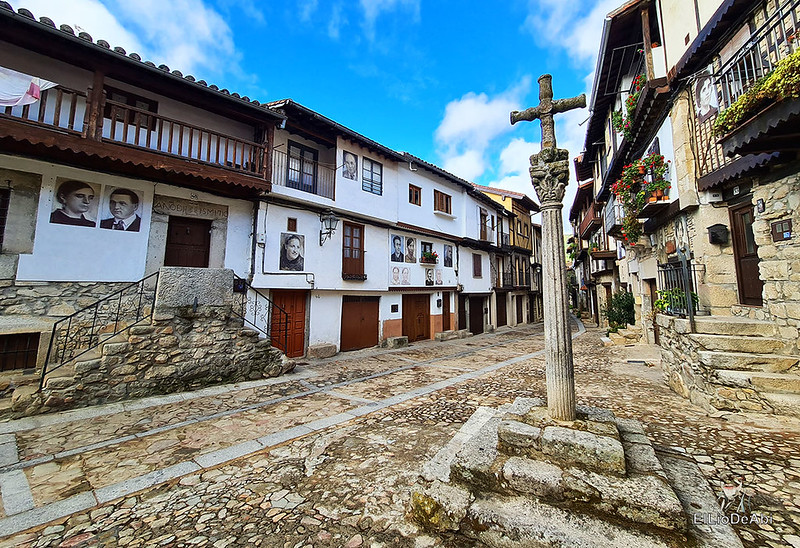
590	220
303	174
67	110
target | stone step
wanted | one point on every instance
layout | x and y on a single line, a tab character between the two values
731	343
788	383
616	338
733	325
769	363
784	404
630	333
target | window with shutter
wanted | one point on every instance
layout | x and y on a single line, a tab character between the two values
353	252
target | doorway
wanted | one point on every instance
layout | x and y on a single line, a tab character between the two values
188	242
462	311
745	252
476	315
359	322
293	302
501	309
416	317
446	311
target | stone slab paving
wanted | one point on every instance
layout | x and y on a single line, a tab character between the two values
342	476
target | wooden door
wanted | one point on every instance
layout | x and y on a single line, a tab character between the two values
745	253
294	303
188	242
520	308
359	322
501	310
462	311
446	311
476	315
416	317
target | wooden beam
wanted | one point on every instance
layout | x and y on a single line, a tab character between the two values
647	43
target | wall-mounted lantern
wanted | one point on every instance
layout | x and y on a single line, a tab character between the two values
329	222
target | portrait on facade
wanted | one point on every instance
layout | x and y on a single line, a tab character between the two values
292	251
428	276
350	166
411	250
120	210
705	96
394	275
448	256
404	276
75	203
396	248
438	276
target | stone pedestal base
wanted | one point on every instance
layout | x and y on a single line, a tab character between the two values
515	477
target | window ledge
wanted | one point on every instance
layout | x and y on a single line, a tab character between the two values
354	277
444	214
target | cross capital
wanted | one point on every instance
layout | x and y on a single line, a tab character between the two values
546	109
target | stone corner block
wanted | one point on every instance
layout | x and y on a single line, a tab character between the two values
395	342
321	351
585	449
440	506
519	435
179	287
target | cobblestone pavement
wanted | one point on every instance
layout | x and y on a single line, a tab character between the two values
328	455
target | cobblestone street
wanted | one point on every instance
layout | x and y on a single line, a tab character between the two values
328	455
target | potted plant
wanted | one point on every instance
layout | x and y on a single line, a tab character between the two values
640	180
429	257
622	123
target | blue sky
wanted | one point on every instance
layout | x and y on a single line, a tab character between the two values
435	78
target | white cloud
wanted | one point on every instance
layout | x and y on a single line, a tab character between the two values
374	8
469	126
187	35
336	21
307	9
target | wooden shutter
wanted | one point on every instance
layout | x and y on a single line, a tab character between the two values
353	251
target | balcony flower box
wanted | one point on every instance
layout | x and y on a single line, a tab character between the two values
429	257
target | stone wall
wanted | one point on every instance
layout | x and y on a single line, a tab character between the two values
685	373
51	298
779	261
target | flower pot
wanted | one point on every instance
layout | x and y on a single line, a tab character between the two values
642	169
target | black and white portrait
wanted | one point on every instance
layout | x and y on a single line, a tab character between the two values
396	248
411	250
448	256
428	276
404	276
705	96
350	166
75	204
121	208
394	277
292	250
438	276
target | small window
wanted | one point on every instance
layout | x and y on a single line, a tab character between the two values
519	227
18	351
353	252
372	179
414	195
5	197
477	266
484	221
441	202
426	247
291	224
125	99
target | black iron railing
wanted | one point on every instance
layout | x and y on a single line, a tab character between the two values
678	285
258	311
78	333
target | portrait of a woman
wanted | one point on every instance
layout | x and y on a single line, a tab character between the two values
77	201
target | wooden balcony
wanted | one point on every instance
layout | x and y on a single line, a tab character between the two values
68	112
303	174
591	220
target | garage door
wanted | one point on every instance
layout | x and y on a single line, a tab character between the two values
359	322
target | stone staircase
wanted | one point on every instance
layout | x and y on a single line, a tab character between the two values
629	335
748	367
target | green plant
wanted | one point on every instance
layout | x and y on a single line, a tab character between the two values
429	256
674	299
633	188
624	123
620	310
780	84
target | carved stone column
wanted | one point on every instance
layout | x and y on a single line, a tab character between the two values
549	175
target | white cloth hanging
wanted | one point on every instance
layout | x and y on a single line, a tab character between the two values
17	89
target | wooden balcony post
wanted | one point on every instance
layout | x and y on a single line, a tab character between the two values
266	154
96	93
648	50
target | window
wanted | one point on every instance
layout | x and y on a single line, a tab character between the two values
18	351
5	196
484	220
414	195
372	177
128	99
426	247
353	252
302	168
441	202
519	227
291	224
477	266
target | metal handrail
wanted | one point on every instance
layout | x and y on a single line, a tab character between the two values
80	332
257	310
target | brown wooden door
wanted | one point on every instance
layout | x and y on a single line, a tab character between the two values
745	252
462	311
359	322
188	242
520	308
501	310
446	311
294	303
476	315
416	317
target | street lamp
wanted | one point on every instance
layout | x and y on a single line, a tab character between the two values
329	221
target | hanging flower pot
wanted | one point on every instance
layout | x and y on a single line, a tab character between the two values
642	169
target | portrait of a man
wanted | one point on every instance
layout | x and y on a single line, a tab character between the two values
350	167
395	279
411	253
404	276
123	204
428	276
448	256
75	204
397	248
439	276
292	248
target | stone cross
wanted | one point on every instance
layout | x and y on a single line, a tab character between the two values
550	175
